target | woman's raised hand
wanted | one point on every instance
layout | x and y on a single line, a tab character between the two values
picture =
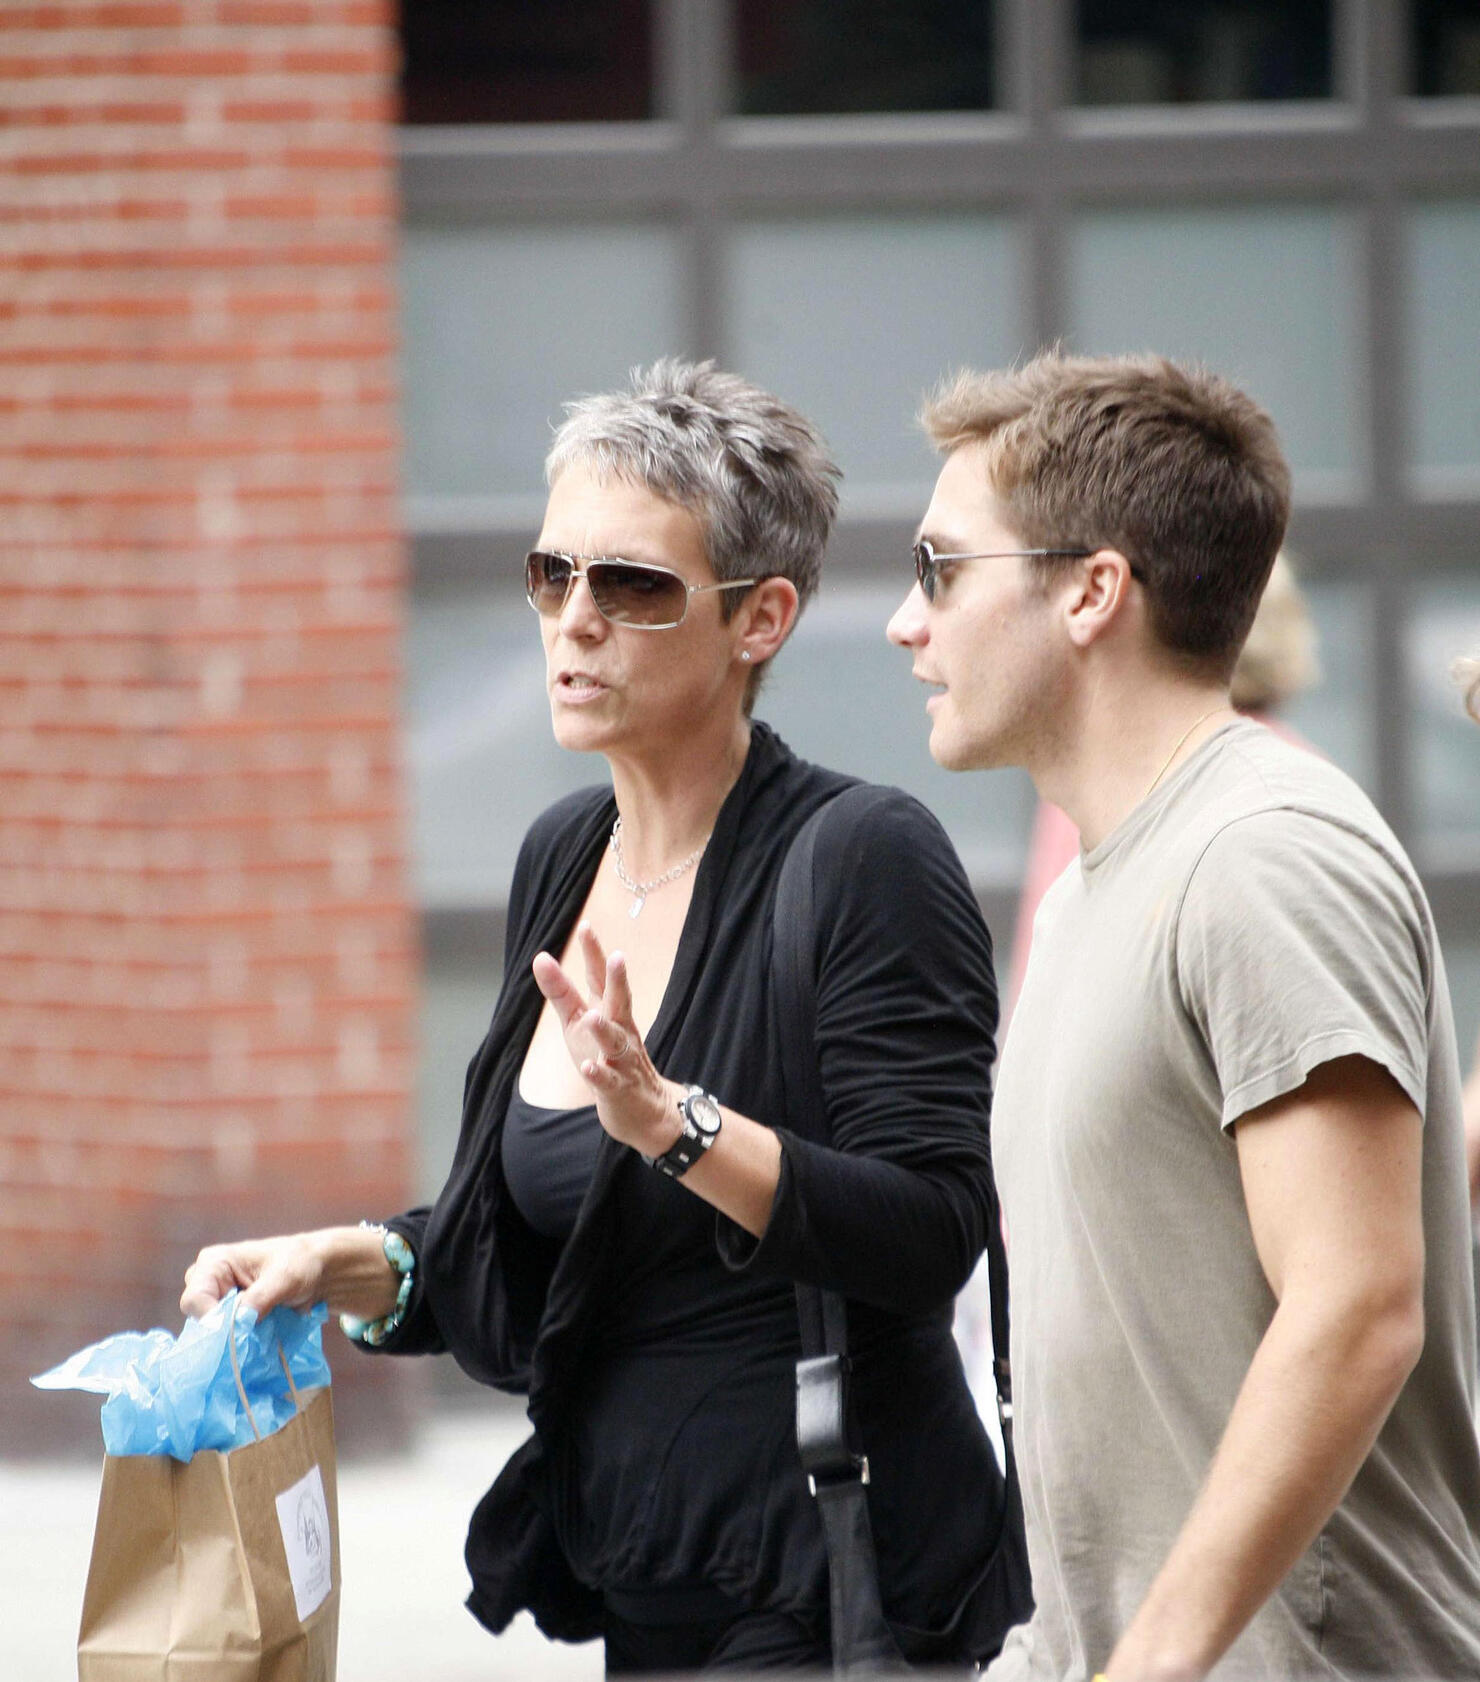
633	1101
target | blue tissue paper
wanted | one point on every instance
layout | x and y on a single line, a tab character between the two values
177	1395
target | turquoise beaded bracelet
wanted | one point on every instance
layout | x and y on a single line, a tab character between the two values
401	1257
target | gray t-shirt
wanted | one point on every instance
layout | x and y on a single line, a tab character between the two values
1252	919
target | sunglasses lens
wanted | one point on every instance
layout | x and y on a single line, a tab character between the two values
547	580
925	570
629	594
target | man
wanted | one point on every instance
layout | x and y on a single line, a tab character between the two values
1227	1125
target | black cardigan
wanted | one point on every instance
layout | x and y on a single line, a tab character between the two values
893	1214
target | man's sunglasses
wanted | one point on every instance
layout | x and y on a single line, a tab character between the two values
928	563
636	593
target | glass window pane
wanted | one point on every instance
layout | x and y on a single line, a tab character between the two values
1443	625
1443	332
1160	52
501	324
1446	46
842	696
1335	713
456	1003
808	56
500	61
484	764
1184	282
853	318
1461	949
482	761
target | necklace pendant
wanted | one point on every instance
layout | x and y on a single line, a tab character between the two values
635	909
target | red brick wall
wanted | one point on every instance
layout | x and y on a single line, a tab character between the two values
206	949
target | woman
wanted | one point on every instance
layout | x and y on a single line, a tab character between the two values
630	1205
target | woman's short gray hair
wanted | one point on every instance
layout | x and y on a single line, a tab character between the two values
752	470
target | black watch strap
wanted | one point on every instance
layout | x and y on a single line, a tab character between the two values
699	1117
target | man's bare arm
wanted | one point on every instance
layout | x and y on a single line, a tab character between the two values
1331	1177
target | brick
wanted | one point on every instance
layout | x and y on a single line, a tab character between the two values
86	58
370	59
119	14
193	161
207	955
346	13
322	158
201	256
46	113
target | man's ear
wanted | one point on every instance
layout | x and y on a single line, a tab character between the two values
765	618
1100	596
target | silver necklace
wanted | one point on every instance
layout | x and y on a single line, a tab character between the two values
641	890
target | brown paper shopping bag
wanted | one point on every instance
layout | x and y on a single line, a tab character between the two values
224	1568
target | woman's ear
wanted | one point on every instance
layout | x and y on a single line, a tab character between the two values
1100	596
765	619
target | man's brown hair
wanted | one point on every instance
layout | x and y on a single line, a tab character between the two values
1172	466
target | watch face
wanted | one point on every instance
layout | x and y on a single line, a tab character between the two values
704	1113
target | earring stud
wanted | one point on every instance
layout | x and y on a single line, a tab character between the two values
745	655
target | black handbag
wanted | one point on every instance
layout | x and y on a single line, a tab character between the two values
837	1471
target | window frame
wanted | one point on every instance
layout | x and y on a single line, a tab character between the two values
1041	160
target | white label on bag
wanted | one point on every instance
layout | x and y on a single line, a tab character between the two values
303	1515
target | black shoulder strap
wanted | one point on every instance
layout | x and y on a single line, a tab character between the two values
824	1320
862	1642
823	1314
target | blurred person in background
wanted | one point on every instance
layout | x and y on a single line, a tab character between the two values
631	1205
1227	1127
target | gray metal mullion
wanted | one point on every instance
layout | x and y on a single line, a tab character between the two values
713	35
1453	896
671	59
1350	58
992	160
1377	23
482	176
704	285
1047	27
1366	536
1385	292
1383	30
1358	541
1389	600
1046	309
1045	30
1389	591
706	28
1011	45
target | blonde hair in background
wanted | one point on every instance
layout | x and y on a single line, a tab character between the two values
1467	674
1279	658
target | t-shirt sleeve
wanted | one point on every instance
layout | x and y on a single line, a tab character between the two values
1300	941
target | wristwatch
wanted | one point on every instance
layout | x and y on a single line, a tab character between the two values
699	1113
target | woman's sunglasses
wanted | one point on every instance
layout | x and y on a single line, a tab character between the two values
636	593
928	564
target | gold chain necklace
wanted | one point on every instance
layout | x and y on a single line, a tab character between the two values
1181	742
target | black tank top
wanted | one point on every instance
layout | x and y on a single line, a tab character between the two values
548	1158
